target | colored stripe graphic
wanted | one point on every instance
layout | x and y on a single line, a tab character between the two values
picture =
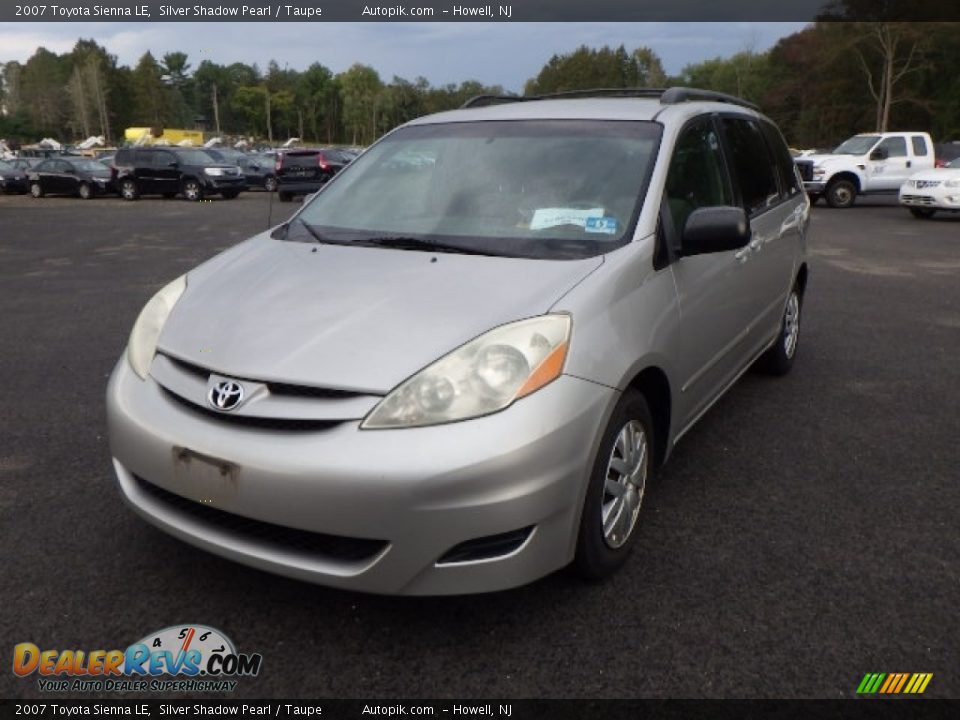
894	683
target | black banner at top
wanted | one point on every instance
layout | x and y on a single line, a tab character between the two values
477	10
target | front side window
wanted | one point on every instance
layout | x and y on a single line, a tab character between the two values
697	177
525	188
751	165
895	147
786	168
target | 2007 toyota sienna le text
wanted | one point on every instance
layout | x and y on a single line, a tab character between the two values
457	367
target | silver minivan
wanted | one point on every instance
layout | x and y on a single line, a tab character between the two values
457	367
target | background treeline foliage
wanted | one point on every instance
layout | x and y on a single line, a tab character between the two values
821	85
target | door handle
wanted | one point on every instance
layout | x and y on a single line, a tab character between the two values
908	163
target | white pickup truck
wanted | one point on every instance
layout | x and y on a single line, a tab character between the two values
868	164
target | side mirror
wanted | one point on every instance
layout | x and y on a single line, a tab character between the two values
715	229
879	154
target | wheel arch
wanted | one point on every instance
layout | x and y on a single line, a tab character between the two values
846	175
652	382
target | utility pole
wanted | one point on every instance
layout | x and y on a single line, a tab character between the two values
216	109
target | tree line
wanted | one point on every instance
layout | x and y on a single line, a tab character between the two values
820	85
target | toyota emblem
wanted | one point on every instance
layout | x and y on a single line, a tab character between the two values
226	395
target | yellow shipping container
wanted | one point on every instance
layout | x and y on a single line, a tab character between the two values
168	135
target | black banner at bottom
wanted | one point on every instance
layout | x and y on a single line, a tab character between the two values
853	709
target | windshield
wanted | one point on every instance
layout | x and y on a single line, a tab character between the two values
537	188
857	145
194	157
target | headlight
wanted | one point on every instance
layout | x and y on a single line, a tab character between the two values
482	377
955	183
146	331
215	172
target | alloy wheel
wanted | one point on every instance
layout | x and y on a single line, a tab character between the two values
626	479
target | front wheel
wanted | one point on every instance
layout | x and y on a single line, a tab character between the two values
128	190
192	191
270	183
85	191
813	198
36	190
841	194
923	213
779	358
623	466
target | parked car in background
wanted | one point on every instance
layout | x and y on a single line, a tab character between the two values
304	170
83	177
928	192
947	153
13	179
259	171
460	375
169	171
868	164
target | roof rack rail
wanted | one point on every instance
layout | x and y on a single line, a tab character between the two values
669	96
684	94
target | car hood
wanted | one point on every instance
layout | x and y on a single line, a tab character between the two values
350	318
941	174
826	159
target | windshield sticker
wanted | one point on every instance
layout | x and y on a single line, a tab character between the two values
554	217
606	225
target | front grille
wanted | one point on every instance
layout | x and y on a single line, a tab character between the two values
486	548
334	547
283	389
806	170
918	199
285	424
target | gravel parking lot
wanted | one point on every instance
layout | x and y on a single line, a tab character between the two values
803	534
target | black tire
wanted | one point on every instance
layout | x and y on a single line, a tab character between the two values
923	213
129	190
285	196
841	193
85	192
599	553
270	183
778	359
169	196
229	194
814	198
192	190
36	190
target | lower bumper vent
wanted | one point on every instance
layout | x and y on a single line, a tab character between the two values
486	548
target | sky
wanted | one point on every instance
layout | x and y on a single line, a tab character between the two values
504	54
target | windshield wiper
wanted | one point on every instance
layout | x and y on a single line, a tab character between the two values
401	242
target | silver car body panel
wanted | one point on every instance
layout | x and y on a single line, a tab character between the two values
353	323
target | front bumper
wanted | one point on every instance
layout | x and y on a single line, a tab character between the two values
814	187
422	490
14	184
213	183
938	198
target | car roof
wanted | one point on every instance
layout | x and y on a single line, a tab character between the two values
608	108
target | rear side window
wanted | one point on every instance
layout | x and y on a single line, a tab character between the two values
786	168
162	159
919	145
142	158
751	164
697	177
895	147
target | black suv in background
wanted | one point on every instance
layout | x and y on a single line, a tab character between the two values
304	171
168	171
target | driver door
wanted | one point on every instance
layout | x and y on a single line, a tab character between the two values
889	173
